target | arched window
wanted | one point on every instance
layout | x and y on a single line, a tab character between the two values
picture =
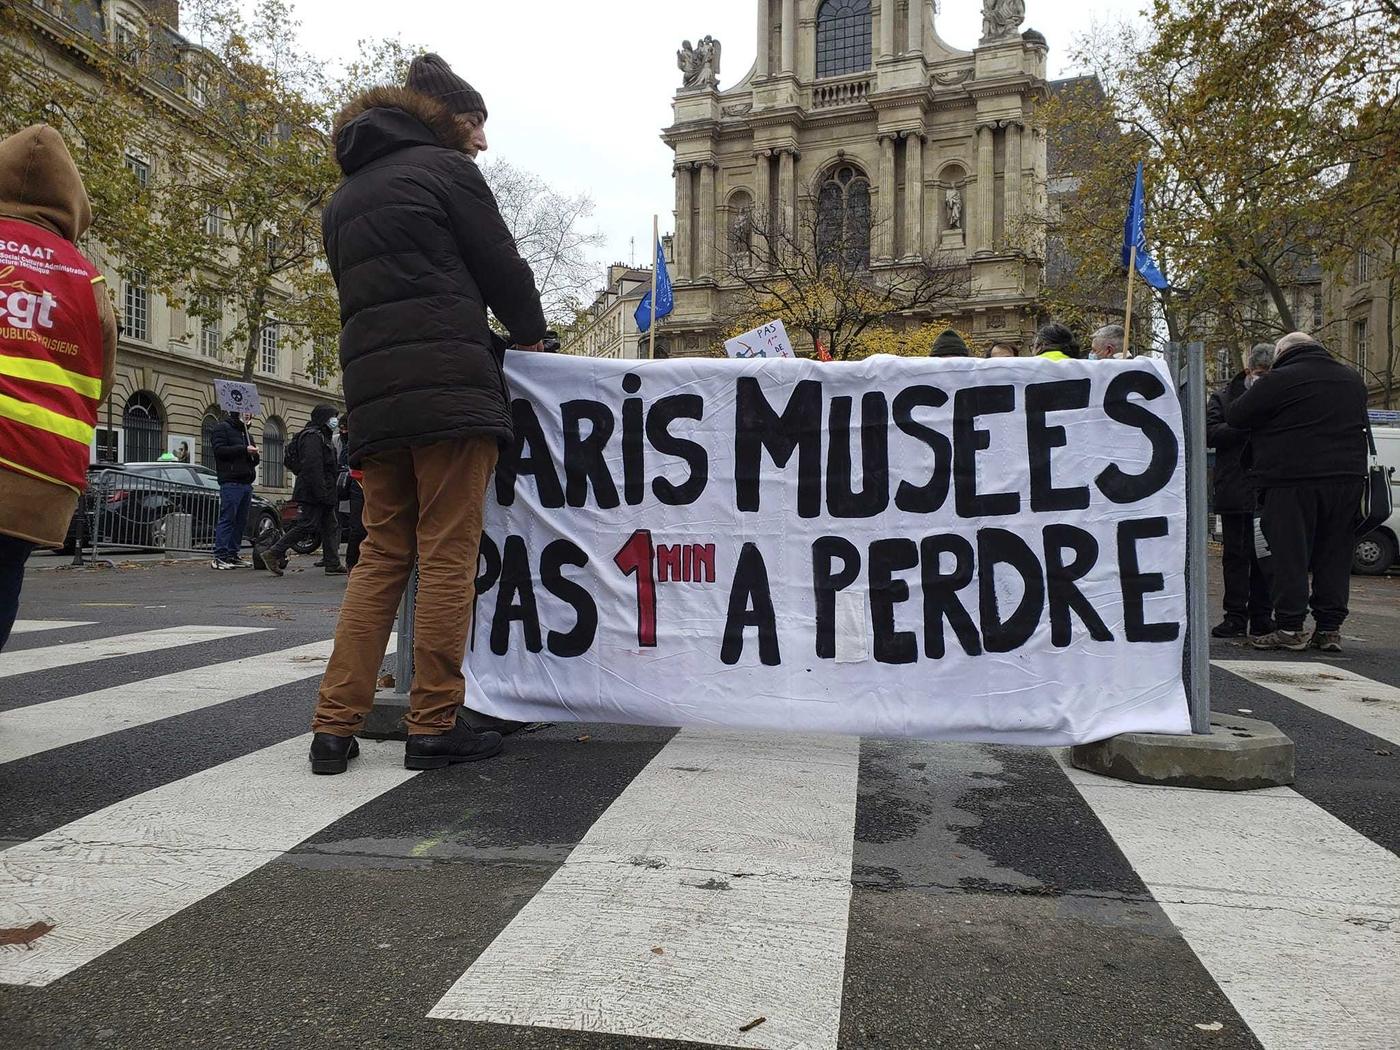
843	37
843	219
212	418
143	422
274	444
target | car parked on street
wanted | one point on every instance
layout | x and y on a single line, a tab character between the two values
138	514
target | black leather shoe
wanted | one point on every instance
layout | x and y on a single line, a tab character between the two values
462	744
337	570
331	753
1228	628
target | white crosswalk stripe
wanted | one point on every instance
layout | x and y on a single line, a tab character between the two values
47	658
1293	912
716	887
58	723
714	890
1373	707
35	626
101	880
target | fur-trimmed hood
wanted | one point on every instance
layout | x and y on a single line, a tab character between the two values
386	119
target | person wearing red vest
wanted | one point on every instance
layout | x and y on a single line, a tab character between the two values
58	351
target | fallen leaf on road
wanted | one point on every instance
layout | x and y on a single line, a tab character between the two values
1383	753
752	1024
1214	1026
25	935
386	681
583	739
307	659
658	951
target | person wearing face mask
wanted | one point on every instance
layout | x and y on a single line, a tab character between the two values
1248	607
420	254
1107	343
311	455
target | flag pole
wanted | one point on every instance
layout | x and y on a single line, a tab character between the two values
655	241
1128	317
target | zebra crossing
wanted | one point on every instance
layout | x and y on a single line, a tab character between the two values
708	895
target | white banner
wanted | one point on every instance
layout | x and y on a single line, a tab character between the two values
953	549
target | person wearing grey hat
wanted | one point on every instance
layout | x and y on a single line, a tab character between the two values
420	253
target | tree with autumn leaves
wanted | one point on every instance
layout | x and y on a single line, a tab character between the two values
222	214
1264	126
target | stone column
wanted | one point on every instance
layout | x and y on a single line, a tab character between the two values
916	26
986	184
913	195
886	218
683	210
707	218
762	208
789	36
887	28
1013	184
764	39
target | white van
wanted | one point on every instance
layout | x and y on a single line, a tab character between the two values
1378	551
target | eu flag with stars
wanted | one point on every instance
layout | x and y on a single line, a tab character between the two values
1135	233
665	301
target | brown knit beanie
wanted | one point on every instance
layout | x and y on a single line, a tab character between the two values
430	75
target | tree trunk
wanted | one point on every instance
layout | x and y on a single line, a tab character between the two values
1390	331
255	327
1279	297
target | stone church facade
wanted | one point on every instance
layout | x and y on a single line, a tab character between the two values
862	102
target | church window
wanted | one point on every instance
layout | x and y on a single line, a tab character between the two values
843	219
843	37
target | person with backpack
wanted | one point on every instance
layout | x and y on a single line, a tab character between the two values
311	456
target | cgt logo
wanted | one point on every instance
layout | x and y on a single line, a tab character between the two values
23	308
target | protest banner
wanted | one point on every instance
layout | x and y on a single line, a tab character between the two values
237	397
767	340
948	549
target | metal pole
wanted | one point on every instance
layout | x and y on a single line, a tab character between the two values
403	665
1197	611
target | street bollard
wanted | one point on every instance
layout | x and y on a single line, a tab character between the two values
1197	604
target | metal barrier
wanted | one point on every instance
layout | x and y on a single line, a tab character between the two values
129	511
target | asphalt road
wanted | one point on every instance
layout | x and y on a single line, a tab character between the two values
994	900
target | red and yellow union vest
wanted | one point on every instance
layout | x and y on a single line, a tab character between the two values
50	355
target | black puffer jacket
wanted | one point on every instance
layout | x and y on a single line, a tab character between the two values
419	251
1306	420
1233	492
316	478
232	460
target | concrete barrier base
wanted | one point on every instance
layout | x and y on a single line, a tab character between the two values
386	718
1240	754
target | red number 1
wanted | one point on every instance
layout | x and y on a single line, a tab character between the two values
637	557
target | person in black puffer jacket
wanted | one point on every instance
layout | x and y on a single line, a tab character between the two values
419	253
236	462
316	469
1307	456
1248	607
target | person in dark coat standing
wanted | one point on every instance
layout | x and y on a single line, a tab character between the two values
353	494
1248	605
236	462
419	253
316	470
1307	456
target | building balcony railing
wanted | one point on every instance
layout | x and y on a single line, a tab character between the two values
843	91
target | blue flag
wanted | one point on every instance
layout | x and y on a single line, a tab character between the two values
1135	233
665	301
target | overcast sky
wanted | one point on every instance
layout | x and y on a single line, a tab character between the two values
579	90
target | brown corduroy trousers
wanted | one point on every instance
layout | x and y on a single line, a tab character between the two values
427	500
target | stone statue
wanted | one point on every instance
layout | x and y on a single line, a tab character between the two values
952	201
1001	19
699	66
